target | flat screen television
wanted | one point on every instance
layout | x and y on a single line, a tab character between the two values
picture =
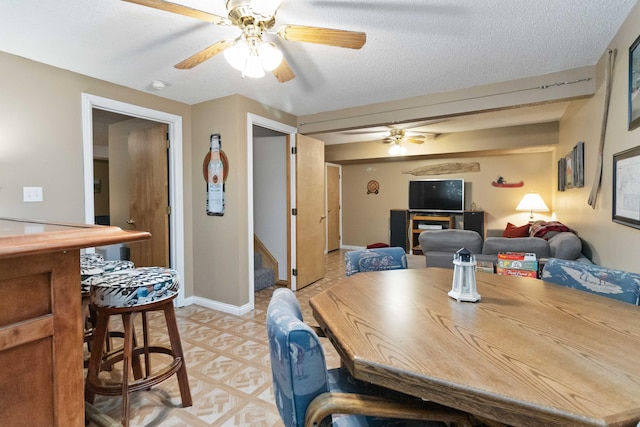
437	195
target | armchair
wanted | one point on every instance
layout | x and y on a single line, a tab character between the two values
392	258
307	394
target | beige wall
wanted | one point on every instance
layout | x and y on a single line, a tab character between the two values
613	244
41	141
220	243
366	216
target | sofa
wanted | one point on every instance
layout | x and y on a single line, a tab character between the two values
439	246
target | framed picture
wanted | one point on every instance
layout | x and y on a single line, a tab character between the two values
568	170
626	187
578	165
634	85
561	174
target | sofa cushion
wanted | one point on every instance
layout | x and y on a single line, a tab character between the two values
565	245
450	241
616	284
439	259
494	245
515	231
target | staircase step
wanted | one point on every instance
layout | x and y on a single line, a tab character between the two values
257	260
263	278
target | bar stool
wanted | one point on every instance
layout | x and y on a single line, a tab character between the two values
128	293
92	265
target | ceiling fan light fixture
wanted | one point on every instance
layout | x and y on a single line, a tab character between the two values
253	66
270	55
397	150
237	55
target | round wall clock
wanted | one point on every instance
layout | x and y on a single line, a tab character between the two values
373	187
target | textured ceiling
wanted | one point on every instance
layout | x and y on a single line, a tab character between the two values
414	47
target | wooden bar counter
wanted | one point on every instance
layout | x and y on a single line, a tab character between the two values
41	379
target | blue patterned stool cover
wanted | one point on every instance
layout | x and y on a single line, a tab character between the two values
91	258
130	288
92	268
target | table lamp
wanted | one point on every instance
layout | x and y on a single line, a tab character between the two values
532	202
463	287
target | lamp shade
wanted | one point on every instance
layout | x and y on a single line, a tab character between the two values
532	202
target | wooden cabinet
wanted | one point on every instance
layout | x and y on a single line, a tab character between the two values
41	378
422	222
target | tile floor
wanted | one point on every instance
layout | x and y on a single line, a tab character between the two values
227	361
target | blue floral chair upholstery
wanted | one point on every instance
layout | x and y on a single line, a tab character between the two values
307	394
378	259
617	284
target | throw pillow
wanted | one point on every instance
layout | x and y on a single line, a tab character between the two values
514	231
547	230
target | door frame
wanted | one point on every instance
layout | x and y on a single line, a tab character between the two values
176	186
253	119
326	203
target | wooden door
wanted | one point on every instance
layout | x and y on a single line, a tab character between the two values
333	208
149	195
310	219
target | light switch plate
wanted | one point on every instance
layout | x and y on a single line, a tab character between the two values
32	194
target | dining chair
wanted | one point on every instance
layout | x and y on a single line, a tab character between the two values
308	394
392	258
617	284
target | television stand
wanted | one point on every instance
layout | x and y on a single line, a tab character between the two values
422	221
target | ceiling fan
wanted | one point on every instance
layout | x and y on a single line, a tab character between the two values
249	53
398	136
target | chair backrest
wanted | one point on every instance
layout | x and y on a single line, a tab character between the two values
616	284
450	240
297	358
393	258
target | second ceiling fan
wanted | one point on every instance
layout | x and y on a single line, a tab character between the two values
249	53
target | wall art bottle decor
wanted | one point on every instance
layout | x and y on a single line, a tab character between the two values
215	176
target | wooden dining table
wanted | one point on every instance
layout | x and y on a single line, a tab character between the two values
530	353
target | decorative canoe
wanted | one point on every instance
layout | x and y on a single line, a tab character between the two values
500	182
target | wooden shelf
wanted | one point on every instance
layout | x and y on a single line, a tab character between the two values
439	221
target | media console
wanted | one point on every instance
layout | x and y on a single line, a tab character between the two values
405	226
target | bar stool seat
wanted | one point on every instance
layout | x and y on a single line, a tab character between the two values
92	265
128	293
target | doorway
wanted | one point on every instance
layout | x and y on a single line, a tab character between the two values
174	130
289	134
333	193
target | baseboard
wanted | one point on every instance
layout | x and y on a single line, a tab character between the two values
220	306
352	248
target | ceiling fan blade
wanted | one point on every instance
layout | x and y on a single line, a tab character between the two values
182	10
204	54
327	36
414	140
283	72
